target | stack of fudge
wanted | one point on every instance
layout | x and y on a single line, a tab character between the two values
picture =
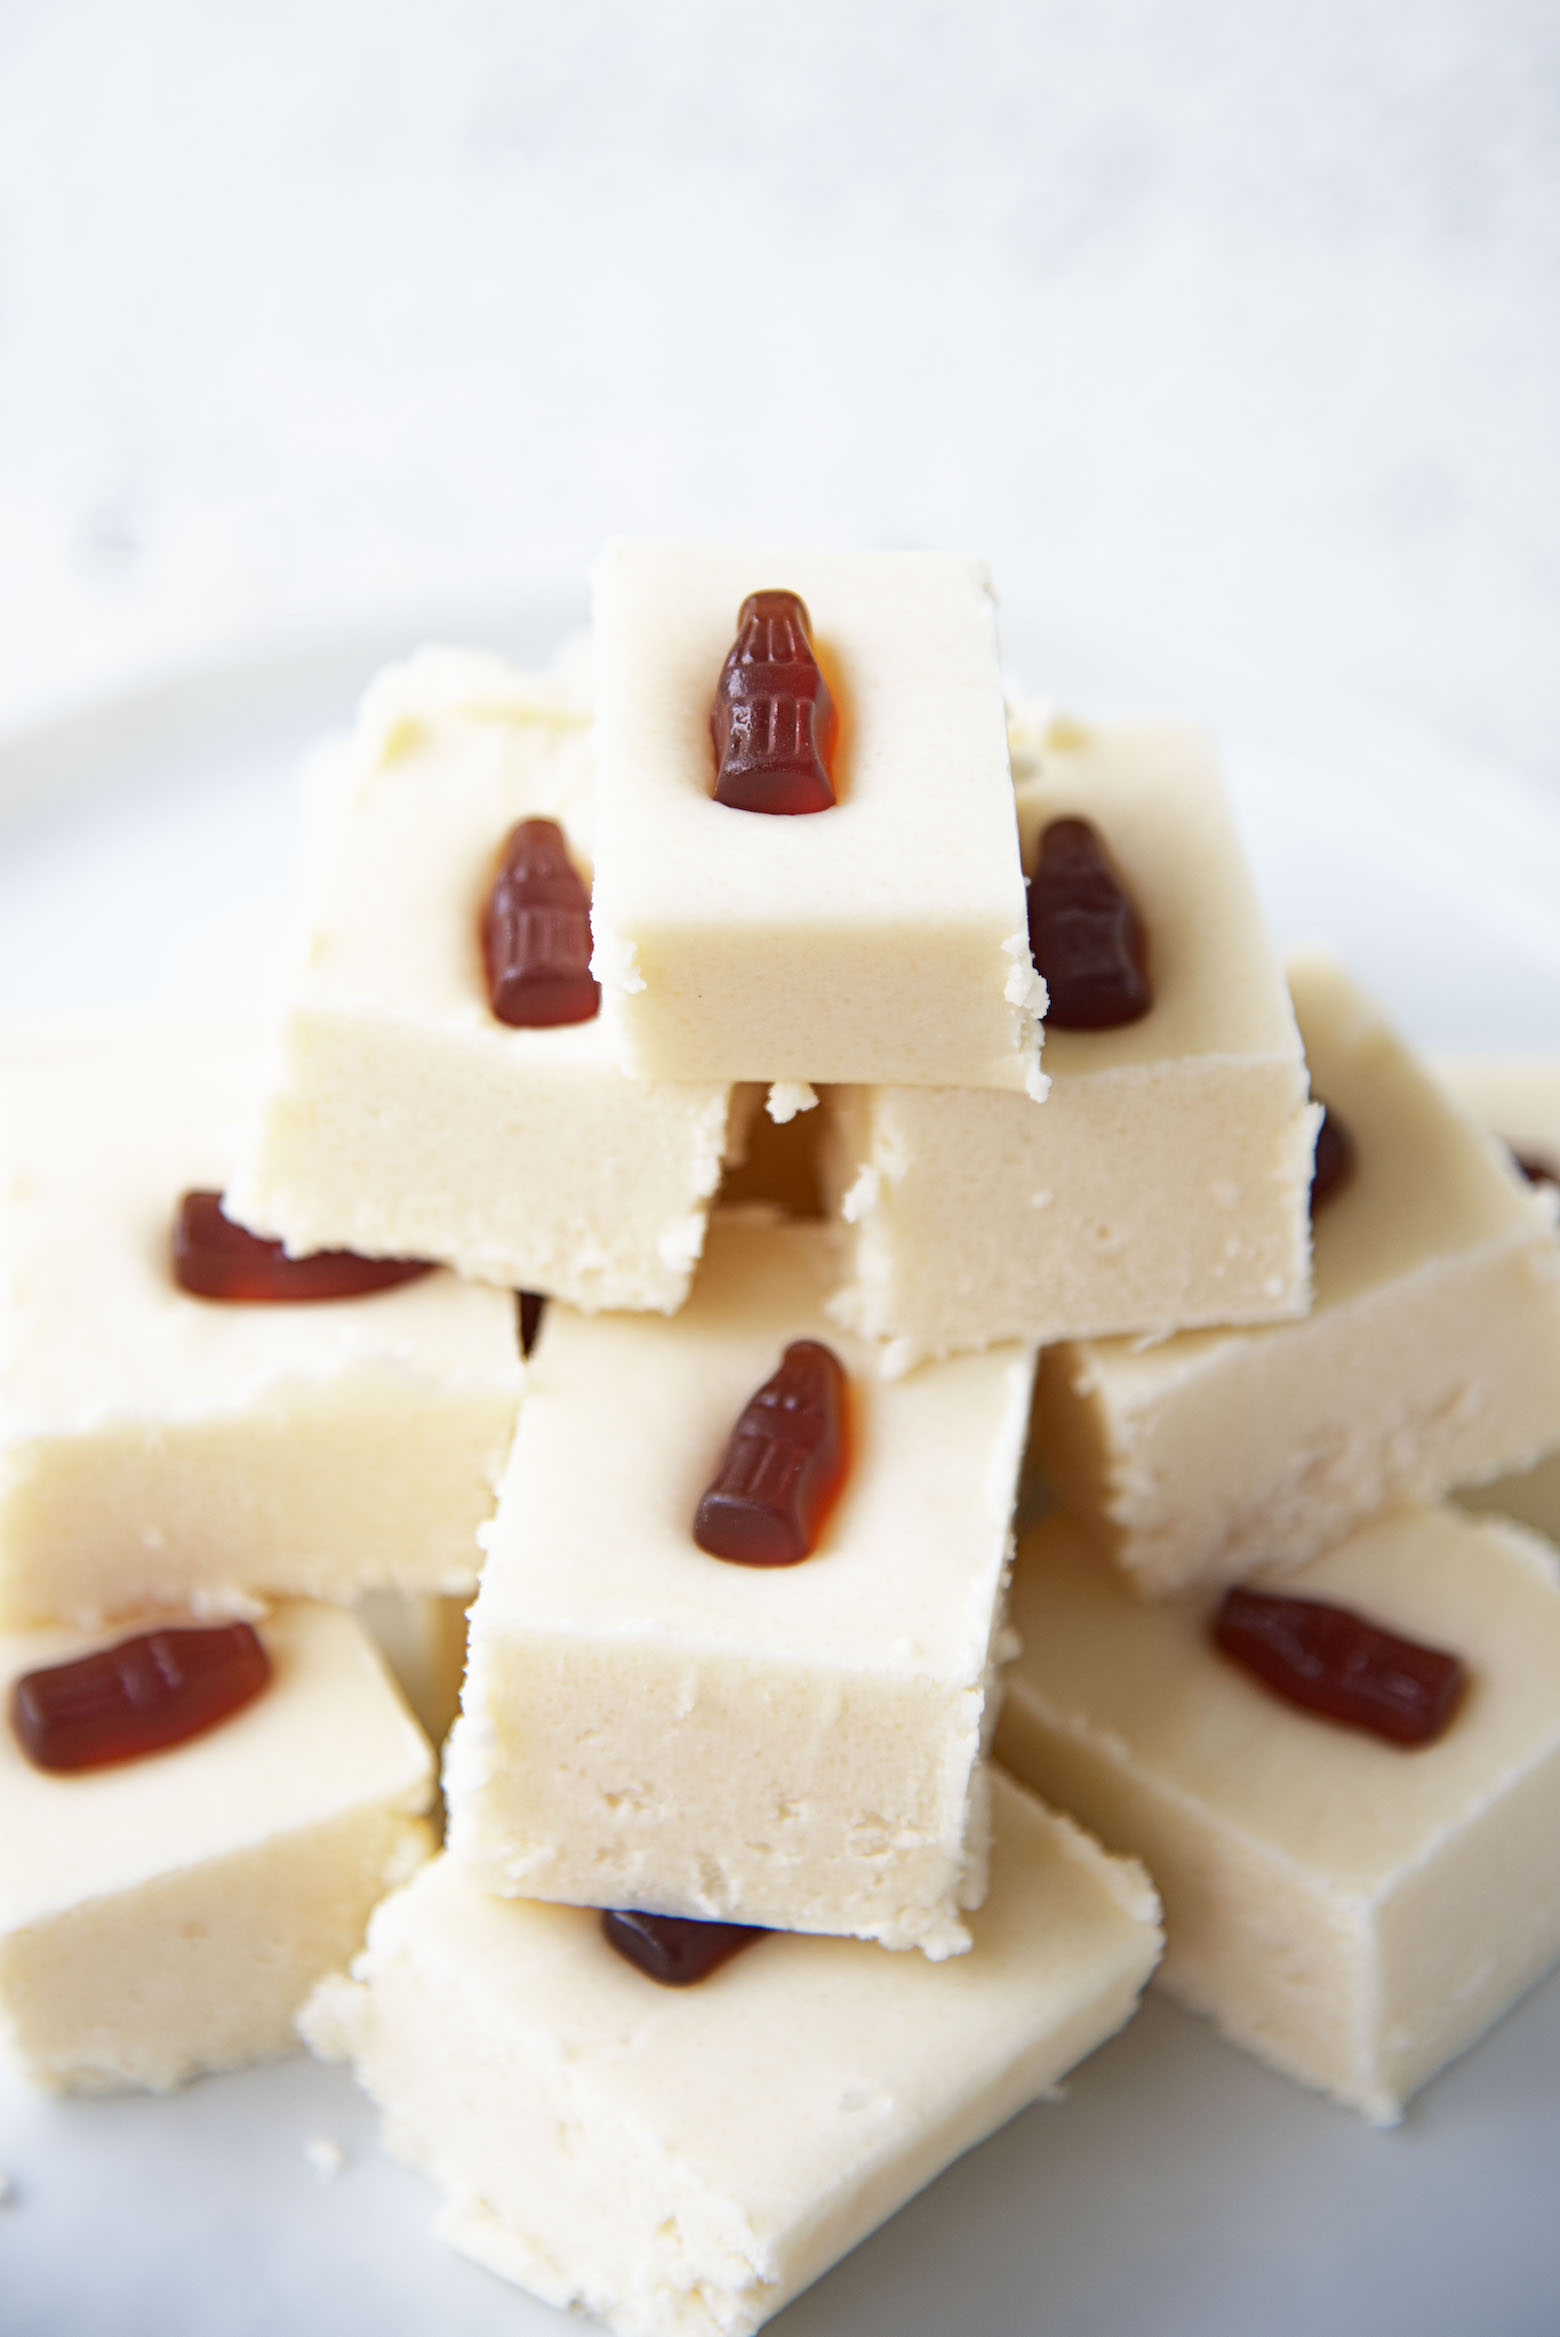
795	1833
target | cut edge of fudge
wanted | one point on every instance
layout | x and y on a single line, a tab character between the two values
991	1293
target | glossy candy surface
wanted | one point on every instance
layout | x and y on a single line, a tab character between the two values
784	1466
143	1695
773	720
536	933
1085	934
675	1950
1334	1158
1339	1664
214	1258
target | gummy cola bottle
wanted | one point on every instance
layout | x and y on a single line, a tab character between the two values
784	1466
773	719
536	938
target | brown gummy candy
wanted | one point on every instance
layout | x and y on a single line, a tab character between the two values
214	1258
1335	1662
157	1689
773	719
1535	1167
675	1950
784	1466
536	933
1085	934
1334	1158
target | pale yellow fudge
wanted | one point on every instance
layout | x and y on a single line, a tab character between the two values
680	2162
644	1725
169	1915
881	939
1165	1182
1520	1103
401	1117
1431	1357
1353	1912
162	1450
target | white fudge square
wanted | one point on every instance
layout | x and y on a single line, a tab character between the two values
169	1915
1518	1101
401	1118
882	939
1431	1356
159	1450
1355	1913
721	2145
1165	1181
644	1725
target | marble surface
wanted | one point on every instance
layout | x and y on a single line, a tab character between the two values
1230	336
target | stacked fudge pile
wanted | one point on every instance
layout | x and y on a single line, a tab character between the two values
739	1932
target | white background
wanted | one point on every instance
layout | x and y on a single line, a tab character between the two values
1228	331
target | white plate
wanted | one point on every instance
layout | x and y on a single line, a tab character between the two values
1184	2192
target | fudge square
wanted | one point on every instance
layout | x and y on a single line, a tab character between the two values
647	1726
722	2144
401	1117
881	939
1353	1912
1520	1103
159	1450
1165	1182
1431	1357
170	1914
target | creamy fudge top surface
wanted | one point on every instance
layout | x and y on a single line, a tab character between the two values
1518	1101
98	1141
1344	1805
924	825
404	830
1427	1184
403	702
328	1734
783	2073
1154	793
624	1426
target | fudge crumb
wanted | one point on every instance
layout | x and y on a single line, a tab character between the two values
327	2158
862	1197
787	1097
